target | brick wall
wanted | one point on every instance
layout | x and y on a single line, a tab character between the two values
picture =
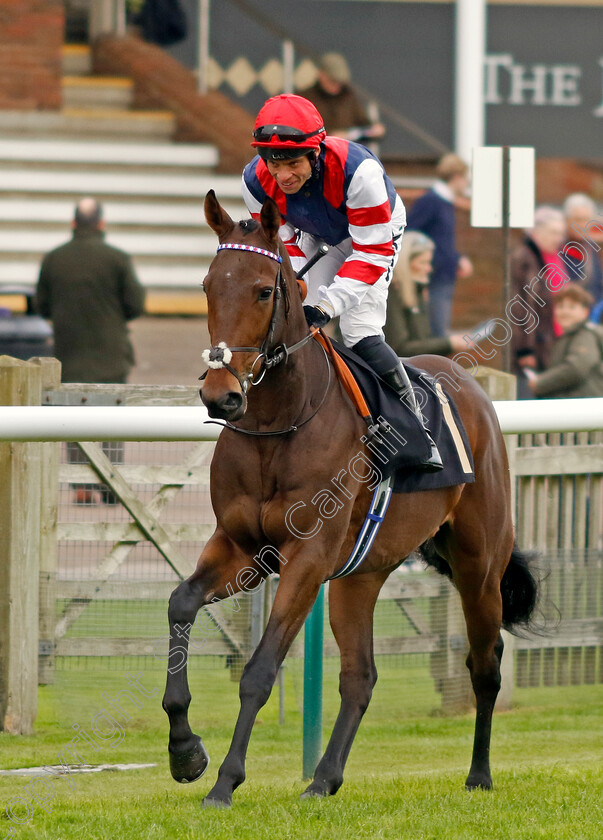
31	36
161	81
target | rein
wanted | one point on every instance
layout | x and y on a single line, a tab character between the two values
295	426
221	355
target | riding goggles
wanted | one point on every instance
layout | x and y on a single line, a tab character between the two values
284	133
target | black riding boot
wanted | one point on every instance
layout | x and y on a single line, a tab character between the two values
389	367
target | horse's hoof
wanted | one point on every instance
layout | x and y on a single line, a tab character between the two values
211	802
474	783
313	791
190	765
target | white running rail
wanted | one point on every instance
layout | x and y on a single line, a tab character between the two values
161	423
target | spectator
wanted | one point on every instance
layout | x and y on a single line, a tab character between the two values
407	328
161	22
584	263
531	348
576	360
89	291
433	214
338	104
596	315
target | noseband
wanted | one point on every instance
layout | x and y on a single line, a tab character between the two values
221	355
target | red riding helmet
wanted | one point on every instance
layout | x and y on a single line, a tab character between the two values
287	127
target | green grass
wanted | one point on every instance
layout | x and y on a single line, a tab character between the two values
148	618
404	778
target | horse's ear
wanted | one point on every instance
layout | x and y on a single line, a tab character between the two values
217	218
270	218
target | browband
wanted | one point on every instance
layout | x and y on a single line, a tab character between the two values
236	246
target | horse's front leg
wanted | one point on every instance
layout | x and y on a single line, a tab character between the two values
351	607
299	584
214	578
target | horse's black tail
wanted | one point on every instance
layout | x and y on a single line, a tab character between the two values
519	587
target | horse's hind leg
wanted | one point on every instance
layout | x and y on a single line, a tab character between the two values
486	685
478	555
351	606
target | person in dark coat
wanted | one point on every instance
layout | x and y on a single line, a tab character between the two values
532	341
407	328
433	213
89	291
576	368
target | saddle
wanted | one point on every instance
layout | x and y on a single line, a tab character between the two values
393	432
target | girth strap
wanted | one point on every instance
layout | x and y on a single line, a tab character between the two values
369	530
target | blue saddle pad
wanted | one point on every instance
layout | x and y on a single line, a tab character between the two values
395	452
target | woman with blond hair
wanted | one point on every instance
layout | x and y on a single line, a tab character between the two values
407	328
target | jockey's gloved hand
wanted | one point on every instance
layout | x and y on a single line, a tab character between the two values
316	317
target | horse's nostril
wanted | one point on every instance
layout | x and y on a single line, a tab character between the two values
228	406
231	401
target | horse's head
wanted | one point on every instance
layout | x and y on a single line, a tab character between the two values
247	301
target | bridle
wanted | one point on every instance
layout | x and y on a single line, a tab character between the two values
220	355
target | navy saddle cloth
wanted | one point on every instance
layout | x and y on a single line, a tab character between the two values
396	452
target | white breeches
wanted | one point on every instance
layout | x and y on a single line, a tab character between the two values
367	313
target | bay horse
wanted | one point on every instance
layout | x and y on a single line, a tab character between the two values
296	432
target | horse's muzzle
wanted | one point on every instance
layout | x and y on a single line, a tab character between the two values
230	405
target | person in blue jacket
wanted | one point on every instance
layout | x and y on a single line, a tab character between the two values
433	214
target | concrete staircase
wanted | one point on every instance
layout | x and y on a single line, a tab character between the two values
94	107
152	189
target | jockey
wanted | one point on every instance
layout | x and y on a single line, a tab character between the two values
334	190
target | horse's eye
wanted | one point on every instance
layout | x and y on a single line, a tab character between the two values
264	294
203	286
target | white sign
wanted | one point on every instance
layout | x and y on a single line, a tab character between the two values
487	187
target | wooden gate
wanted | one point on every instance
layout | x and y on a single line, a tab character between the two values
120	480
559	480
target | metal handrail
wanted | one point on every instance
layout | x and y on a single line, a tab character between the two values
107	16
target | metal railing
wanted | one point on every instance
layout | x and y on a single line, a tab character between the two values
107	16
